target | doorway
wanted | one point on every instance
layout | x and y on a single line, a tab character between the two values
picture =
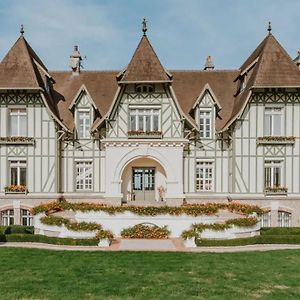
143	183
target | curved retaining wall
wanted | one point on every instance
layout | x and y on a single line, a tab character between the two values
116	223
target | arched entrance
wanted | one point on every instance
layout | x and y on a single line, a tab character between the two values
141	180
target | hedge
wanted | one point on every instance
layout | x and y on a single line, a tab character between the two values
280	231
37	238
18	229
262	239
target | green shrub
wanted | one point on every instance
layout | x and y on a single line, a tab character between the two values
19	229
2	229
280	231
2	238
262	239
49	240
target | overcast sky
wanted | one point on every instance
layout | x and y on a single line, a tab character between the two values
183	32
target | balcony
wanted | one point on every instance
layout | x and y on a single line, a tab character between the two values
276	140
136	134
17	140
16	189
276	191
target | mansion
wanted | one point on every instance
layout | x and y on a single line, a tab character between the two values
150	136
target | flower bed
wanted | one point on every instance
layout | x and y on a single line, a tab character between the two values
16	140
16	189
196	229
276	140
142	231
74	226
188	209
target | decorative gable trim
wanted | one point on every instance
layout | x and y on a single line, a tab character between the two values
204	90
98	122
82	89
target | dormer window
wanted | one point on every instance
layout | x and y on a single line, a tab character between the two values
205	122
243	82
84	123
144	88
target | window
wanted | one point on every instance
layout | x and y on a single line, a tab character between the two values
265	219
18	172
7	217
26	218
84	175
204	176
284	219
144	88
146	120
84	124
18	122
205	123
273	121
273	170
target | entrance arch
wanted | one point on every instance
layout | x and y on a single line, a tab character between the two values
141	178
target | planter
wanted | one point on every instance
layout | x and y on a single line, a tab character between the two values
104	243
190	243
275	140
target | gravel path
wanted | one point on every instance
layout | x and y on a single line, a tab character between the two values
173	245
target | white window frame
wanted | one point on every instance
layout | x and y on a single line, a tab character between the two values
208	176
265	219
84	132
284	219
271	112
144	111
273	164
7	217
18	113
205	120
18	164
84	175
26	217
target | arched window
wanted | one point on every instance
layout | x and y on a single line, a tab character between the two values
7	217
26	218
284	219
265	219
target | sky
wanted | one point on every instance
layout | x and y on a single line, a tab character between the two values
182	32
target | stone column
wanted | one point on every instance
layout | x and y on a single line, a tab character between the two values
17	212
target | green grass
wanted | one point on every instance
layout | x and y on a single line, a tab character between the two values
44	274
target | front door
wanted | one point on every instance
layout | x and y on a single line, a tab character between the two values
143	183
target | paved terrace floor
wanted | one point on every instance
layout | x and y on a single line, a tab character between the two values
170	245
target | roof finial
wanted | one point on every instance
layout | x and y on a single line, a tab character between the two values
144	23
22	29
269	28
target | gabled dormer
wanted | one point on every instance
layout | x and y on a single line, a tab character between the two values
84	112
205	110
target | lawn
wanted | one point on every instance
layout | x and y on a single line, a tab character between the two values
44	274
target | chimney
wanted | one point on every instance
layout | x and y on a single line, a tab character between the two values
75	61
209	64
297	59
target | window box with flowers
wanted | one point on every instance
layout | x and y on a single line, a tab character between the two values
276	190
16	189
279	140
144	134
18	140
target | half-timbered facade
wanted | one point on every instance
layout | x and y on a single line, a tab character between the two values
148	136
